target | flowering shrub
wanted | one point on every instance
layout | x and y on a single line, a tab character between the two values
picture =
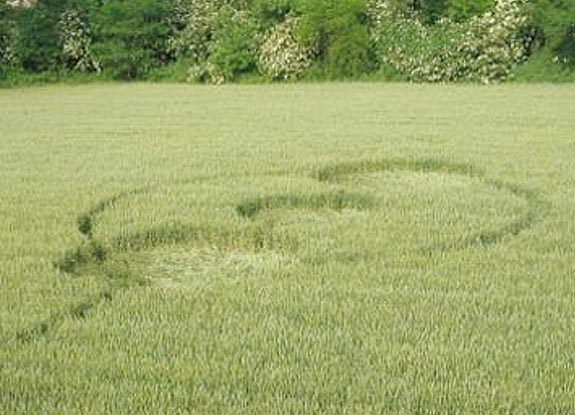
281	56
5	36
25	4
195	20
5	50
484	48
494	45
76	41
232	49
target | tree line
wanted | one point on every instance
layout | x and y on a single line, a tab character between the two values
219	41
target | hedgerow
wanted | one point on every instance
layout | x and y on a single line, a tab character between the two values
225	40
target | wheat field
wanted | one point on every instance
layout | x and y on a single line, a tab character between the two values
353	248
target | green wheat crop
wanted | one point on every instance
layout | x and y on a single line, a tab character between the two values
287	249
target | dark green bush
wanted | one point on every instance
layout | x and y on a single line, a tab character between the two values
554	24
270	12
566	48
5	39
350	55
430	10
235	45
36	45
461	10
338	30
131	36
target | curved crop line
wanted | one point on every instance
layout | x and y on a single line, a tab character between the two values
533	213
417	165
74	259
480	239
335	201
91	252
86	221
78	311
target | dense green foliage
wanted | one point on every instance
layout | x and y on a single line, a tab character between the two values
234	52
36	45
131	36
461	10
227	40
5	38
555	21
433	10
337	29
341	248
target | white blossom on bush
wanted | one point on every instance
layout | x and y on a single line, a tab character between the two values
76	41
24	4
196	19
6	55
485	48
230	50
281	57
